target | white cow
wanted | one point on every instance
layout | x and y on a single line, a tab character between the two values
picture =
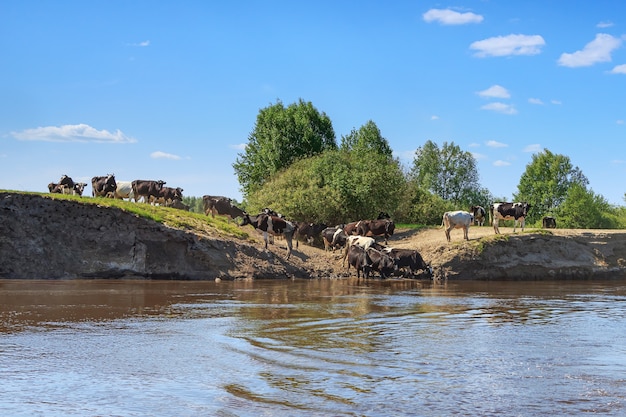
457	220
124	190
356	240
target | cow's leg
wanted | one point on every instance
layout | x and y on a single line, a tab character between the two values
288	237
265	239
466	232
496	229
448	233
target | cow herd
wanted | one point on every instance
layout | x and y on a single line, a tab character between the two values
497	211
147	191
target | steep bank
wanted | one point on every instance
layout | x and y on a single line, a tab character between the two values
41	237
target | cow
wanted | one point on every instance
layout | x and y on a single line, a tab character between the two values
79	188
479	215
222	206
271	224
379	227
124	190
334	237
355	240
308	231
457	220
56	188
146	189
168	194
358	258
509	211
103	186
177	204
67	182
410	259
381	262
350	228
548	222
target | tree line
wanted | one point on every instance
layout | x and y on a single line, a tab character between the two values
293	164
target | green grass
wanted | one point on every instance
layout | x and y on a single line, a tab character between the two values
165	215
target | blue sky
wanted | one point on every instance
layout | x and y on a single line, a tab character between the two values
171	90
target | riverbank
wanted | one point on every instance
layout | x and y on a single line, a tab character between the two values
43	237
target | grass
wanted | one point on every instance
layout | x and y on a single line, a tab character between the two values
165	215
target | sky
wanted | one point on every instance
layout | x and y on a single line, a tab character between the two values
171	90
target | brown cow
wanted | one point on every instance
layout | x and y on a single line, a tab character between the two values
147	189
379	227
222	206
168	194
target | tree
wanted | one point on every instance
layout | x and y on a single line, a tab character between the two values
583	209
546	181
334	187
448	172
280	137
367	138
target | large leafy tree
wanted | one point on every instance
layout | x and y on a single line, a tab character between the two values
366	138
281	136
546	181
448	172
583	209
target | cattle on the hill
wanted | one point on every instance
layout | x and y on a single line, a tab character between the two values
350	228
479	215
509	211
358	258
124	190
67	182
103	186
409	259
56	188
177	204
146	189
222	206
168	194
271	224
548	222
79	188
379	227
457	220
381	262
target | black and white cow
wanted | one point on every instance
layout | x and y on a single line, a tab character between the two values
358	258
409	259
334	237
509	211
271	224
146	189
103	186
217	204
479	215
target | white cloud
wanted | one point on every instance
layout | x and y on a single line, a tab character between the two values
434	117
606	24
479	156
500	108
535	147
509	45
451	17
556	102
164	155
619	69
239	146
598	50
495	144
535	101
140	44
72	133
496	91
619	122
474	145
501	163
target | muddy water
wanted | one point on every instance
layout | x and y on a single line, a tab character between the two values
312	348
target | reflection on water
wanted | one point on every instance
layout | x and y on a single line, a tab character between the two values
312	348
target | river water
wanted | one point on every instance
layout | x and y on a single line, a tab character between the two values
312	348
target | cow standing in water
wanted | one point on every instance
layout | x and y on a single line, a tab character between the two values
271	224
509	211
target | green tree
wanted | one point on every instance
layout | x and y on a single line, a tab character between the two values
281	136
448	172
334	187
583	209
367	138
545	183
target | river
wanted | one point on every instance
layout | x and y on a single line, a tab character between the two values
312	348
